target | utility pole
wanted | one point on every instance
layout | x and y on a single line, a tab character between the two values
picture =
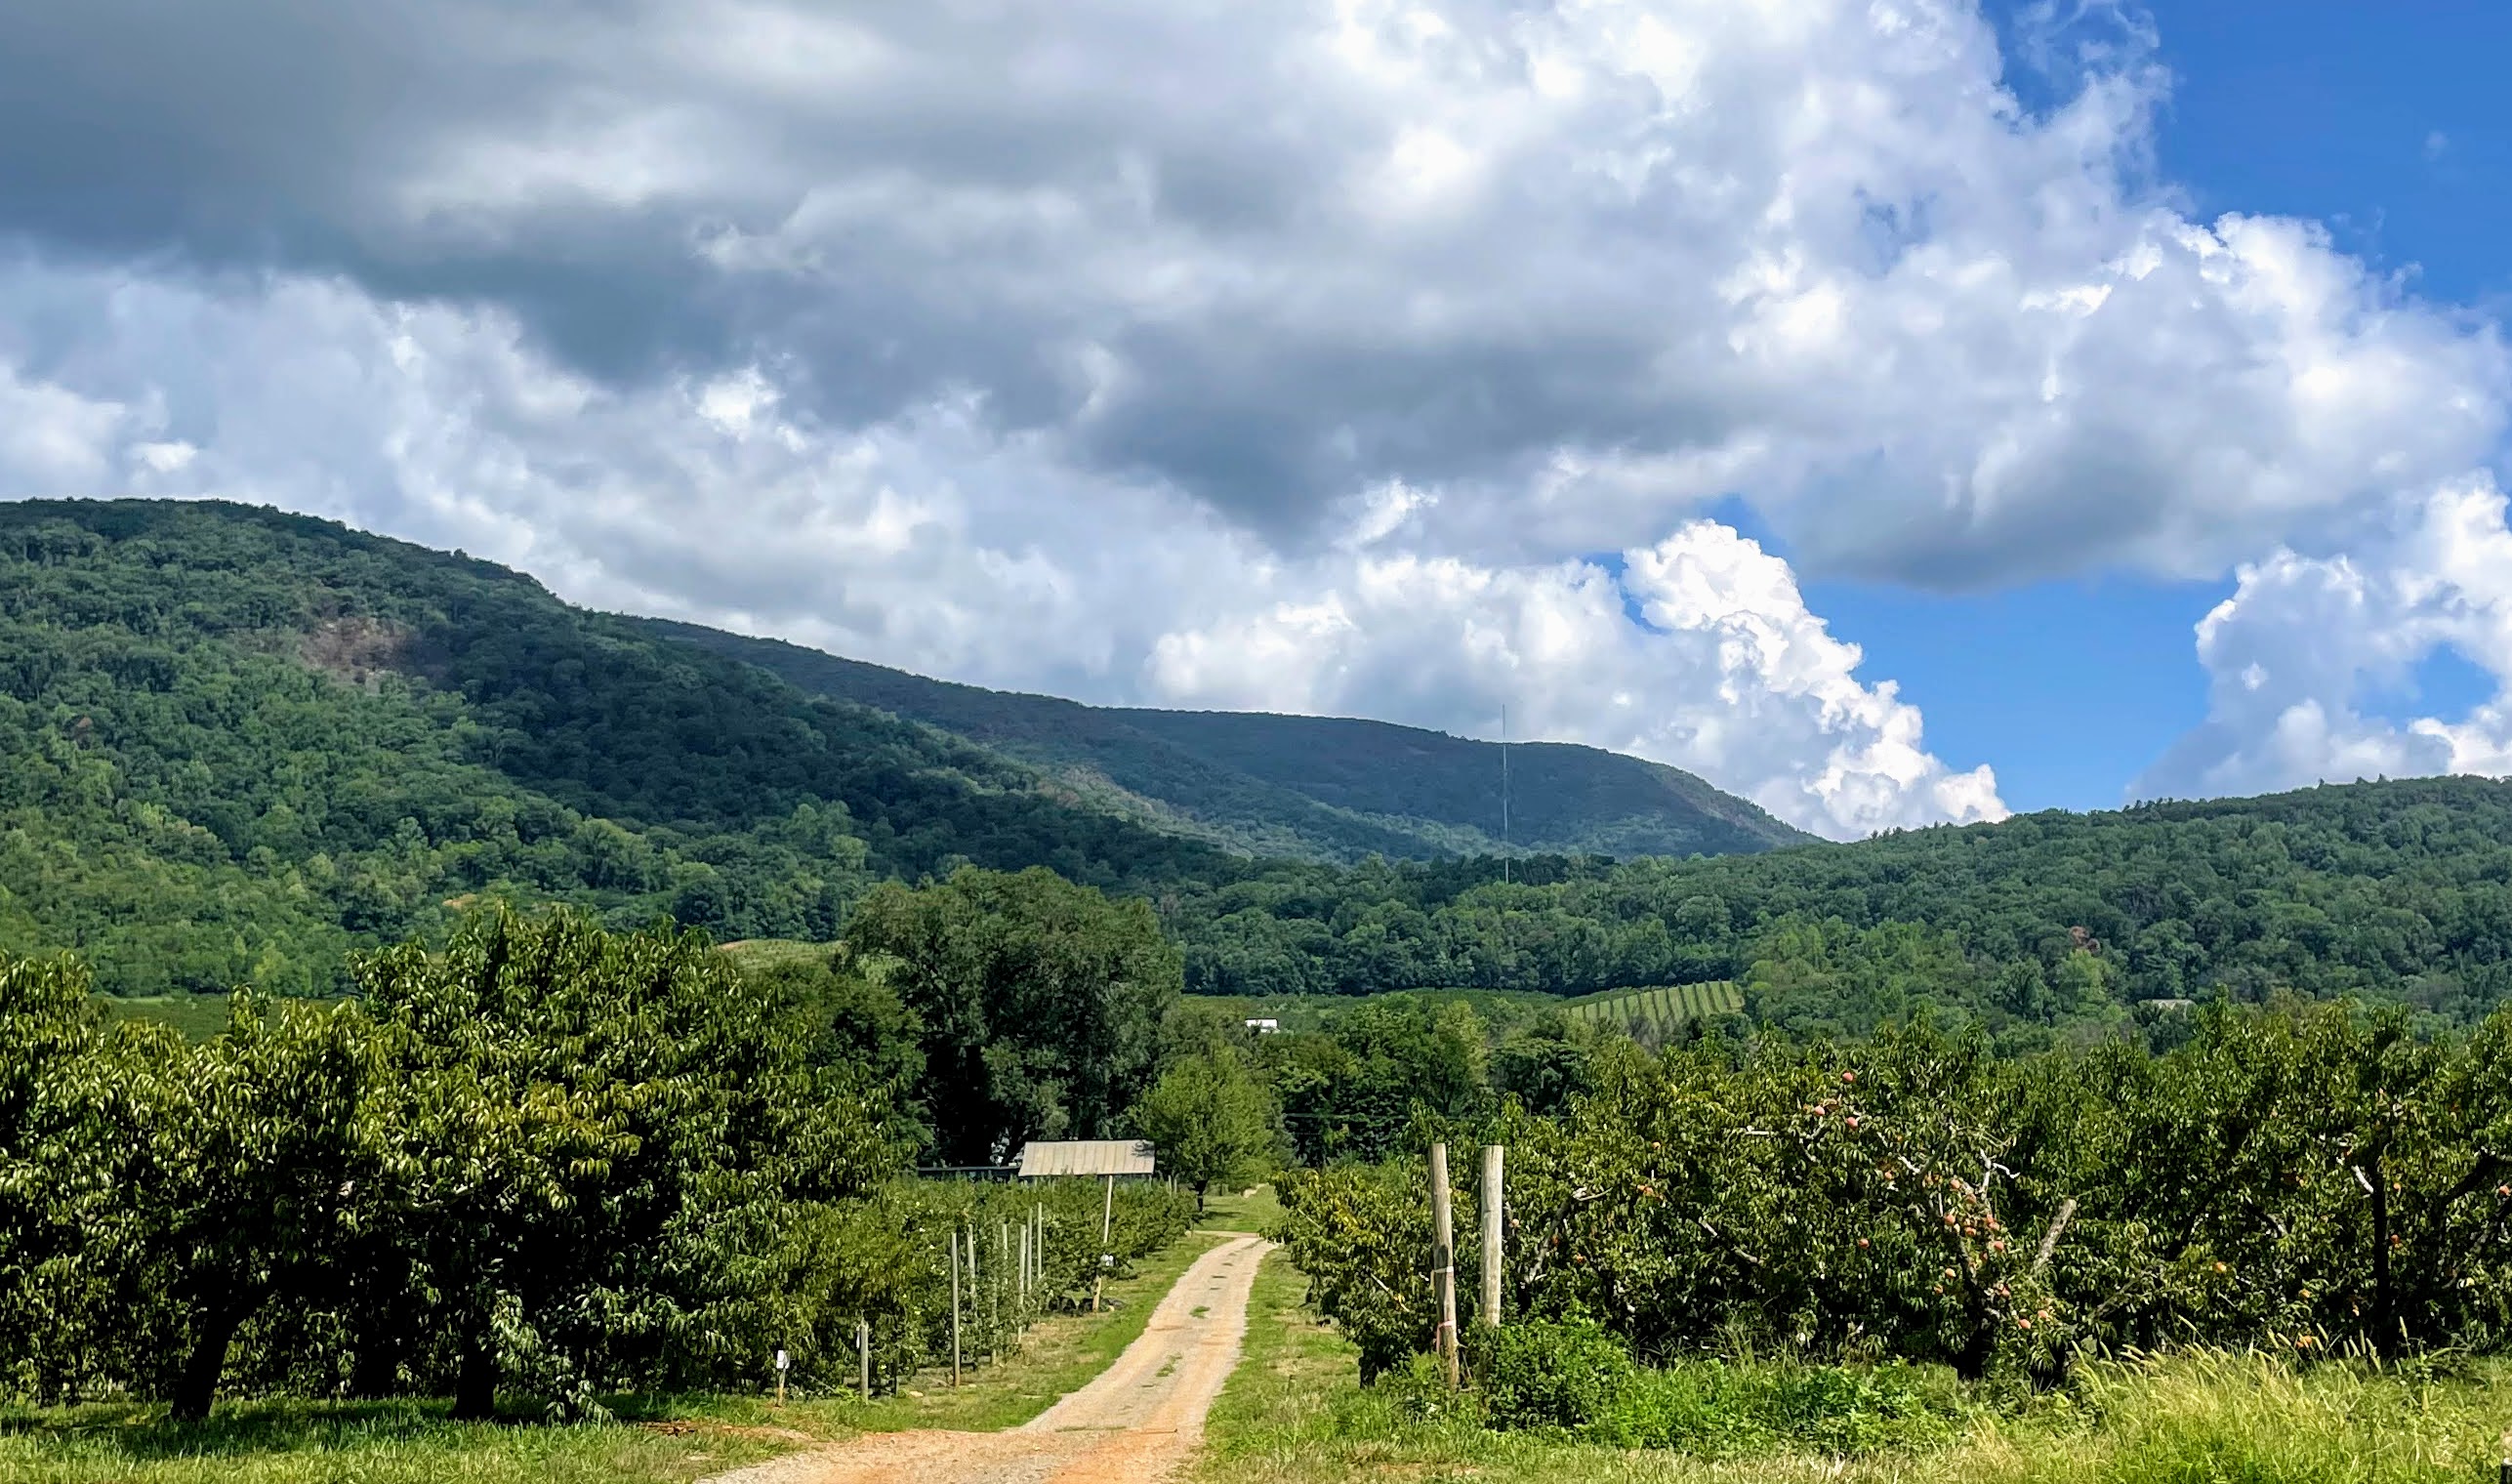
1493	1237
1443	1260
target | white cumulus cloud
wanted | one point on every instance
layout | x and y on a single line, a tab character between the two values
1303	354
2305	640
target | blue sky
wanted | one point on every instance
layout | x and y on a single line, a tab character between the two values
2389	123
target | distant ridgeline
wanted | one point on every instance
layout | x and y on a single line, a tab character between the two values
1307	788
236	745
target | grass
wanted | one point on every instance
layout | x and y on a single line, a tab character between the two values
1255	1211
198	1016
296	1442
768	953
663	1441
1296	1414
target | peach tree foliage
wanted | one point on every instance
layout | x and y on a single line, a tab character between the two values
2303	1176
551	1160
65	1115
587	1146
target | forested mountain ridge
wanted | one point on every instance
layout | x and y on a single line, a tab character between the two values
1316	788
235	744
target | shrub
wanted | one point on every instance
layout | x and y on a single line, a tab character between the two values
1564	1375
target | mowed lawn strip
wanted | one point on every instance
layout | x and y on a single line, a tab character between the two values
658	1441
1256	1214
300	1442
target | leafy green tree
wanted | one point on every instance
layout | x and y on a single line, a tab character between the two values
1212	1121
248	1156
867	1034
1040	1002
587	1142
64	1139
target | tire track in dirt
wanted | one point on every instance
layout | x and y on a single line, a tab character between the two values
1134	1424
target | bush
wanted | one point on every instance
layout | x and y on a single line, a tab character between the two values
1565	1375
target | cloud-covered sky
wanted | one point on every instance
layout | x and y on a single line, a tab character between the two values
1394	359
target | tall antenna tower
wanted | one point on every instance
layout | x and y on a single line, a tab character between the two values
1505	794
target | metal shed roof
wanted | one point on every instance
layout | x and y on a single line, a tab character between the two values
1092	1157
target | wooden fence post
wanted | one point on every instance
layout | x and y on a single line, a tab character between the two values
1493	1237
976	1321
1107	1220
955	1305
863	1355
1443	1260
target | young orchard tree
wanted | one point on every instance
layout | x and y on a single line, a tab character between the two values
66	1117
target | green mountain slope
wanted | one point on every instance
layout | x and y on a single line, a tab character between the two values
1306	787
235	744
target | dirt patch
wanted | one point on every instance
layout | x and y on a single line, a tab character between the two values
359	650
1134	1424
690	1428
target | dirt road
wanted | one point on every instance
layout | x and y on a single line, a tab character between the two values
1132	1424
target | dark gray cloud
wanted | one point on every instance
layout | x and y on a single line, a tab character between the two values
1276	255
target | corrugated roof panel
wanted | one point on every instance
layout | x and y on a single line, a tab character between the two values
1048	1158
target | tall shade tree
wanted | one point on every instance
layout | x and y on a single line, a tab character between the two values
1212	1123
1039	1002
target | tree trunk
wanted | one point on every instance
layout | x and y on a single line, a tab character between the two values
376	1372
2385	1327
475	1381
198	1386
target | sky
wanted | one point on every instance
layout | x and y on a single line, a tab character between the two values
1895	411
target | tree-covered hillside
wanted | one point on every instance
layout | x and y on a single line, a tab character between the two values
2395	890
1314	788
235	744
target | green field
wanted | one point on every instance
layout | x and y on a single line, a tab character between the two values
1658	1010
197	1016
770	953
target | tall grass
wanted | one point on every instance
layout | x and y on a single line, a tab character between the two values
1296	1411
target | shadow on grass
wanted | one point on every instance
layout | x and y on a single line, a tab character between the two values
146	1432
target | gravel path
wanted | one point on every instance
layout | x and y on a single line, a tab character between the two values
1134	1424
